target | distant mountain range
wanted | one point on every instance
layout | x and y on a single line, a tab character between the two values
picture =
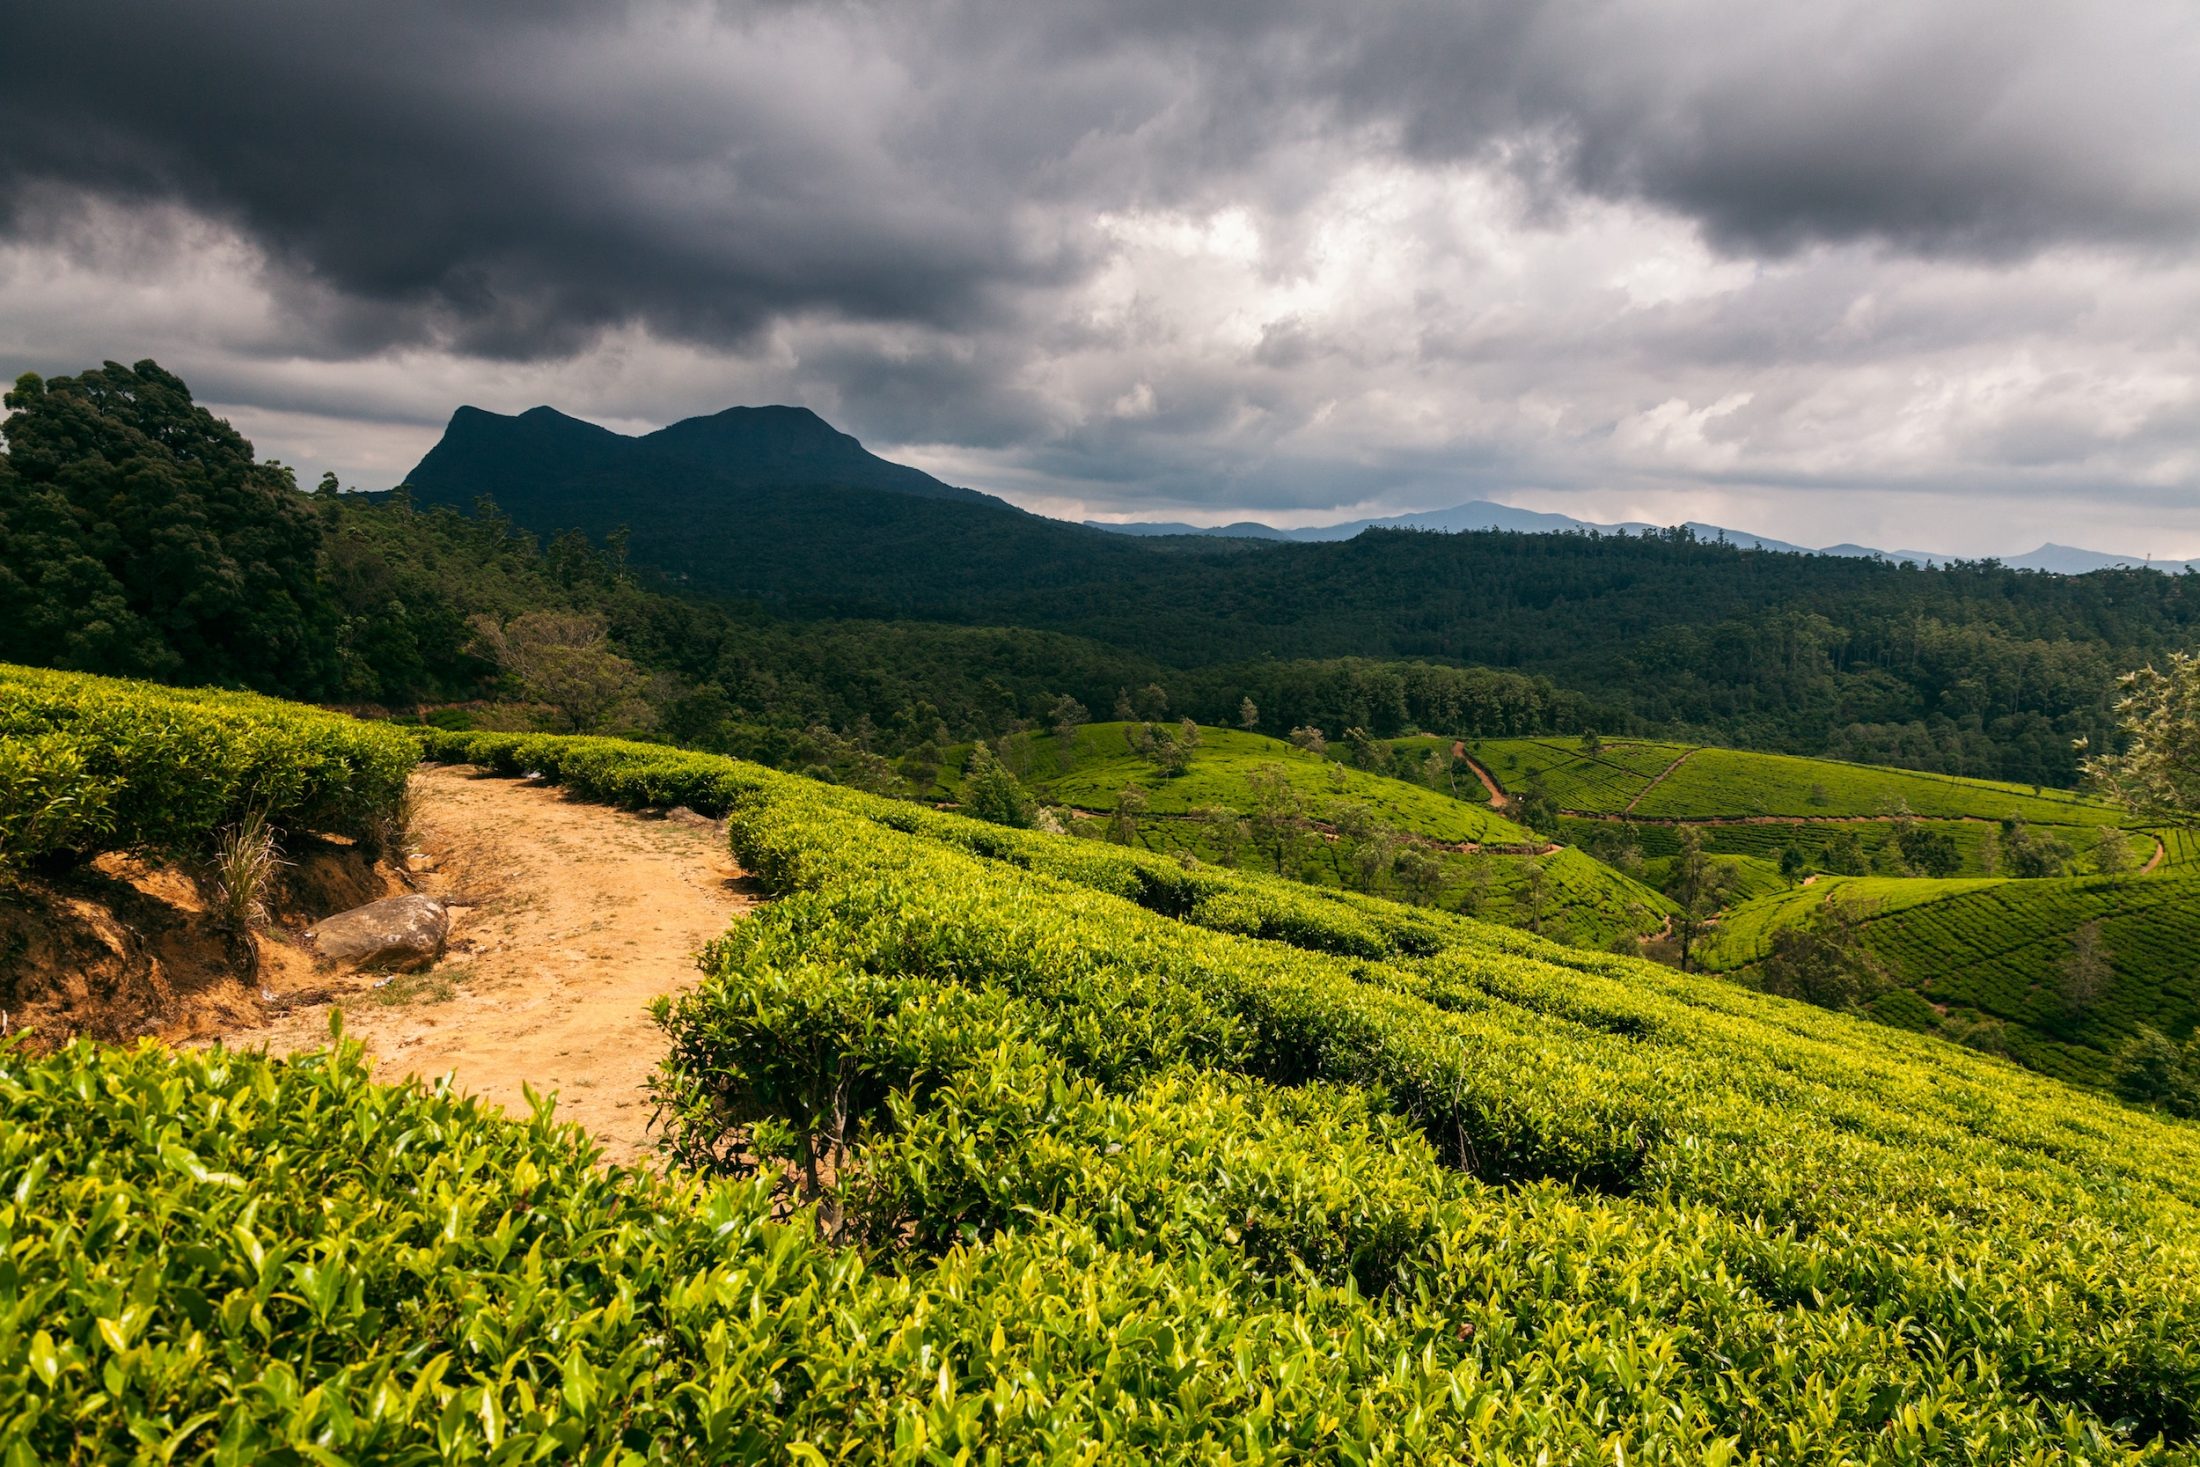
709	486
1483	514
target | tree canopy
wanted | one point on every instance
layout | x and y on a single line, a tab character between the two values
138	536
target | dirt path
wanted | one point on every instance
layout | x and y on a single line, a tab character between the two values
1654	783
568	919
2161	849
1489	781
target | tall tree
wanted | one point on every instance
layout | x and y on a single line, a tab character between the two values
2086	970
1825	962
2158	773
1535	891
990	792
1130	804
1534	808
1419	871
1067	716
137	535
1276	814
1697	884
564	661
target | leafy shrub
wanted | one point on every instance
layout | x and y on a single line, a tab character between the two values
90	764
50	798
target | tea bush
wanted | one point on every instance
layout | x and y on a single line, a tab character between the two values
1836	1240
89	764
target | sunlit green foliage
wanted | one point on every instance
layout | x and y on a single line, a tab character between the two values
1104	761
1115	1161
1997	947
90	764
1601	782
1732	782
1659	784
1339	825
993	1046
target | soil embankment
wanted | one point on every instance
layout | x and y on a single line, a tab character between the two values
125	948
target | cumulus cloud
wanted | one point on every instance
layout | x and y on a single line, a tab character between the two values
1846	271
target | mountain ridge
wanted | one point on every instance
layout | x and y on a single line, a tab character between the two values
554	471
1485	514
736	449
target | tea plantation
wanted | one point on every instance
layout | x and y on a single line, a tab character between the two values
1511	877
91	764
1219	770
1680	782
2000	949
995	1146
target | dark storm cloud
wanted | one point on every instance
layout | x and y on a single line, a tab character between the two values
512	178
1951	127
1150	255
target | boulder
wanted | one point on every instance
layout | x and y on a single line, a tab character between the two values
397	932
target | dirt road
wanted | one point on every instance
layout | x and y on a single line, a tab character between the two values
568	918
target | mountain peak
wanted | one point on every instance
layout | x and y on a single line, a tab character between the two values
775	428
551	471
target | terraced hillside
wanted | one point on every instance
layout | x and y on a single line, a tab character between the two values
1605	780
1970	895
1244	799
1996	958
1101	762
1664	781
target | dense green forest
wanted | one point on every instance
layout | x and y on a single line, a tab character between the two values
138	536
141	537
1972	669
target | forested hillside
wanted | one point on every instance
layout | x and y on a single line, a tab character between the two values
139	537
1971	668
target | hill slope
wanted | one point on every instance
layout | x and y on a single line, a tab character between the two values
1971	945
1975	668
1971	666
768	502
1016	1148
1992	959
544	458
1653	780
1244	799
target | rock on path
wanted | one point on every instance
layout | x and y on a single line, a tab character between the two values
567	920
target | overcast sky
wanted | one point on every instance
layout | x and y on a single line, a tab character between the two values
1920	275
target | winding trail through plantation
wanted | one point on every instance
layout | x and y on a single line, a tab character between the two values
567	919
1498	798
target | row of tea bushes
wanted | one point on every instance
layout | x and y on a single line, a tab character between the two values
90	764
1831	1239
220	1258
